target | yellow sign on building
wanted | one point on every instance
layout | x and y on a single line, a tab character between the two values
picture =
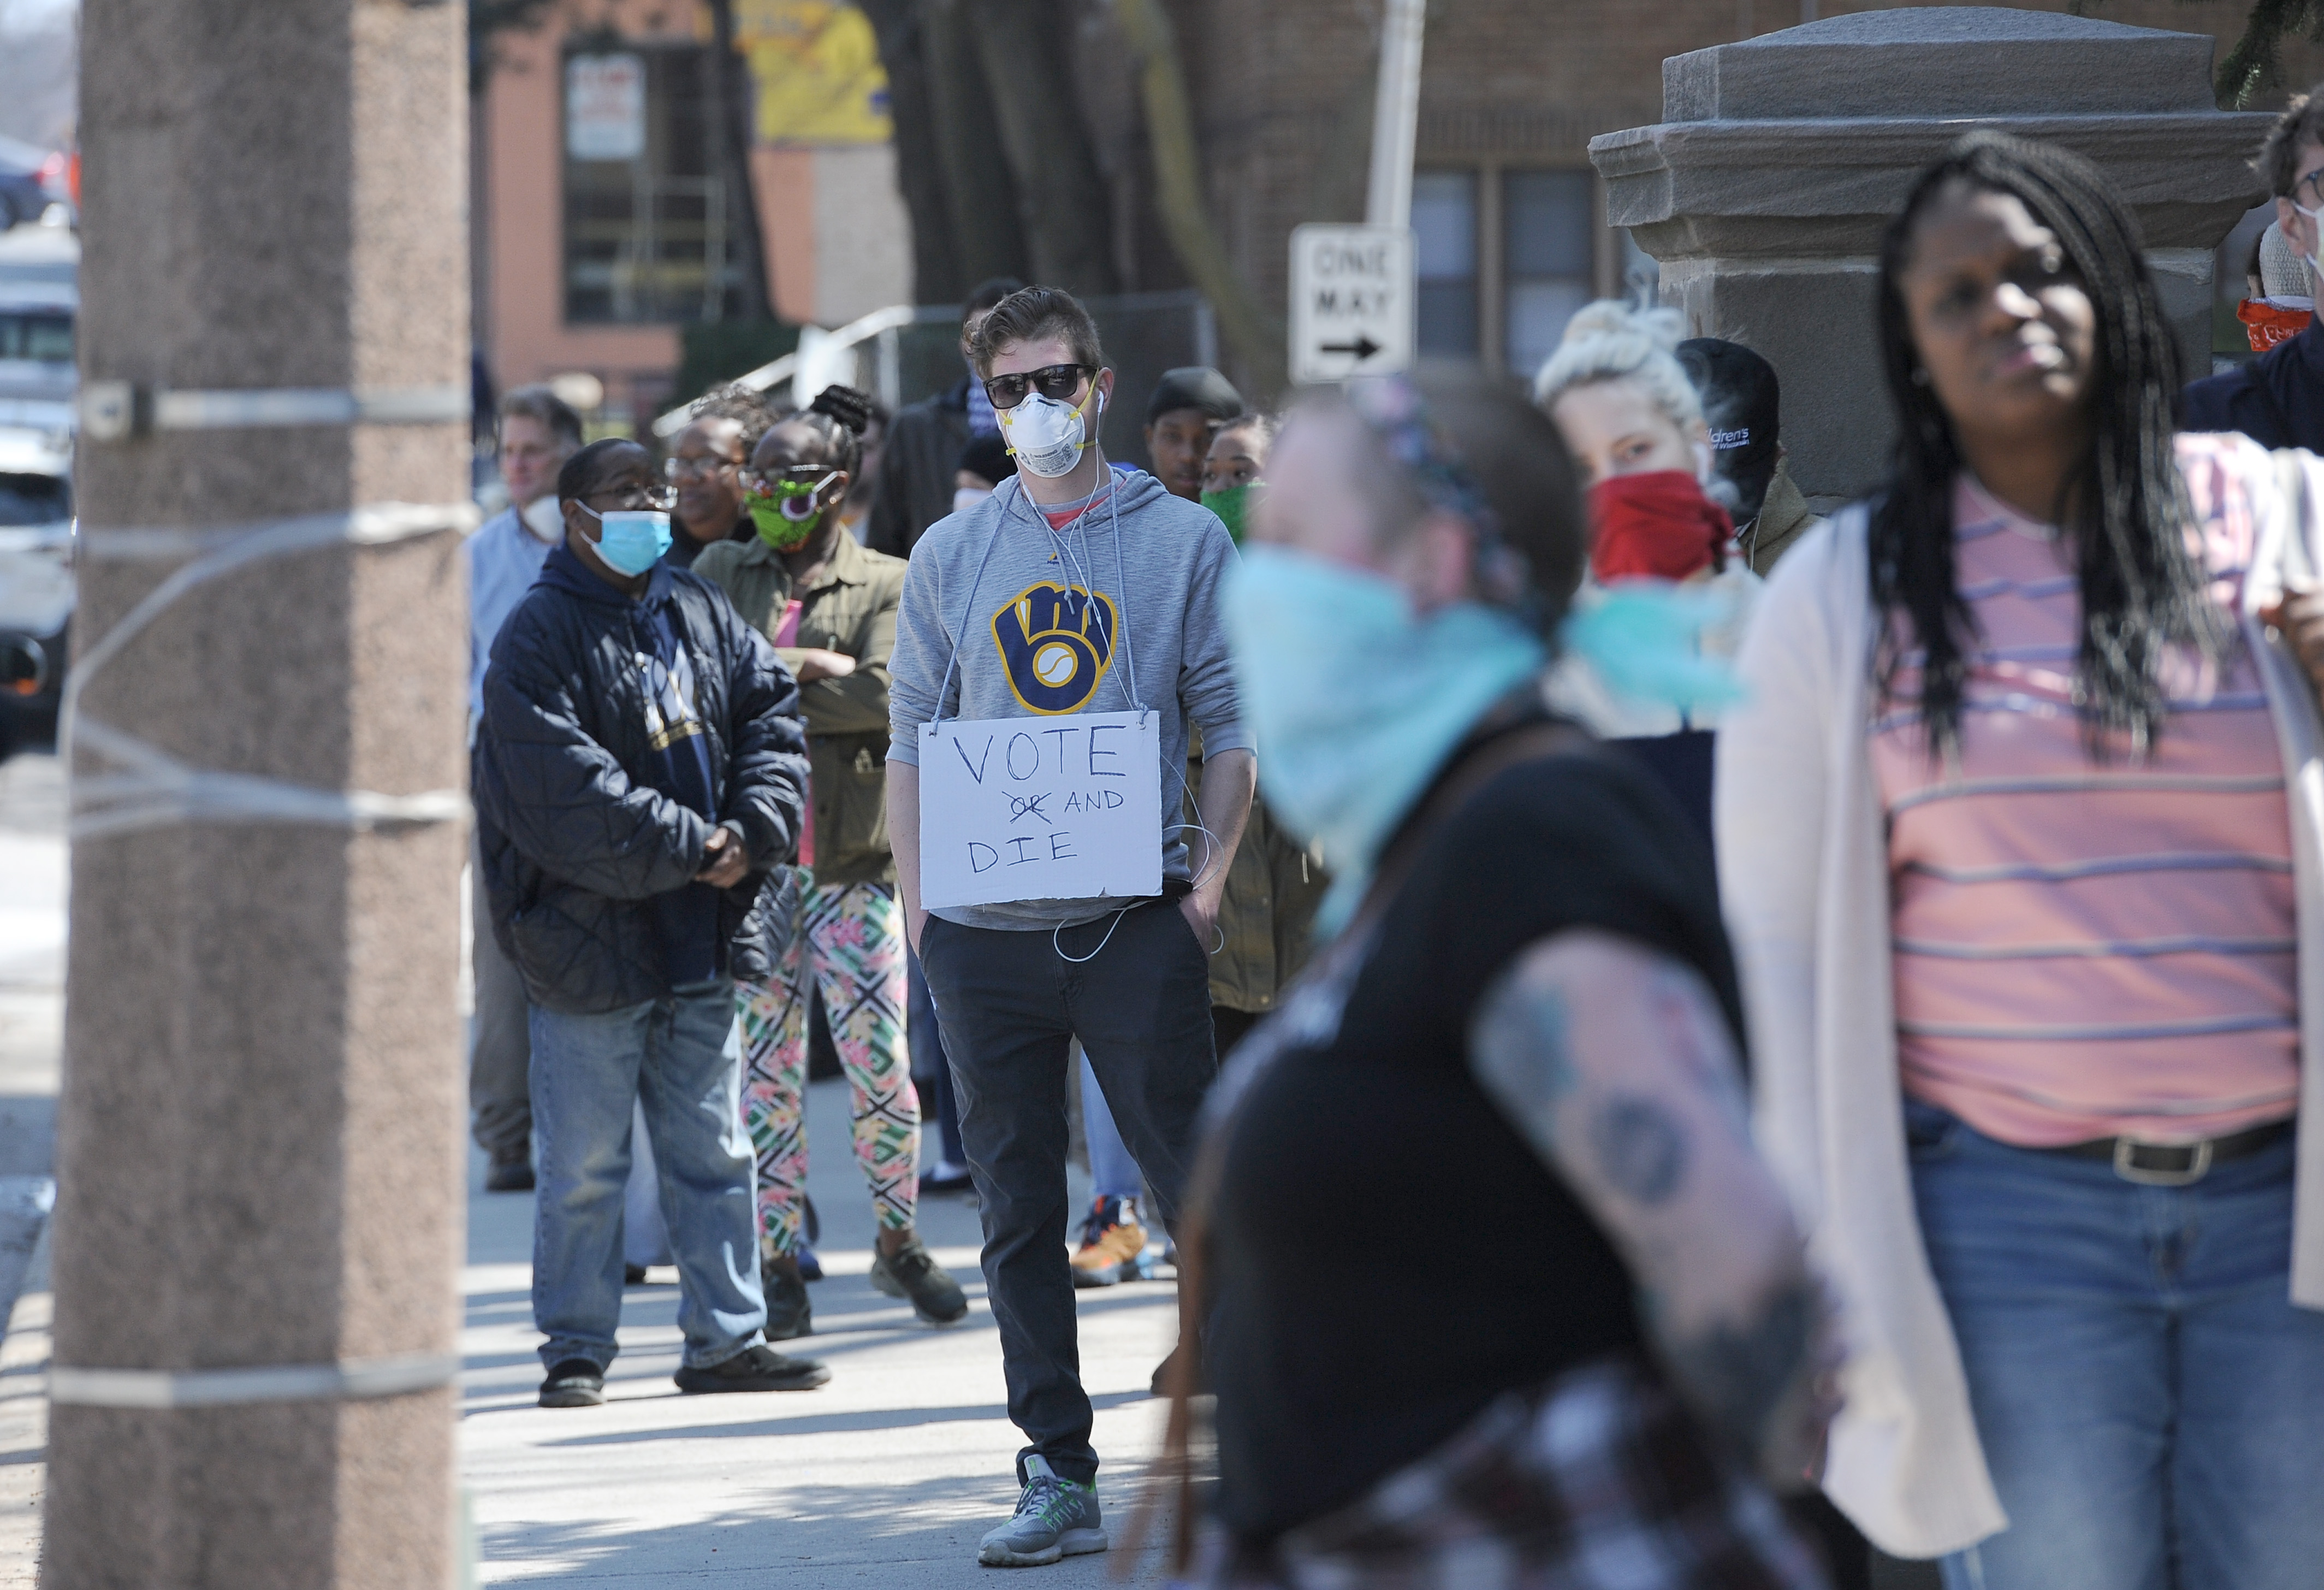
817	65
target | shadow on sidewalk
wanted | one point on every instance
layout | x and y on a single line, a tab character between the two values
903	1536
867	1418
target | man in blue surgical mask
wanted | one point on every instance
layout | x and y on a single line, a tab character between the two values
639	773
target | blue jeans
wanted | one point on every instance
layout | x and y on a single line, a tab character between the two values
2150	1403
670	1056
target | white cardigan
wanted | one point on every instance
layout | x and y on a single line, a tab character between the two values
1804	877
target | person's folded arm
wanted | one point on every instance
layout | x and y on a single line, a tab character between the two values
565	802
1614	1063
855	703
767	772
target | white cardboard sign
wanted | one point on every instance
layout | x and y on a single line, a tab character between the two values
1066	807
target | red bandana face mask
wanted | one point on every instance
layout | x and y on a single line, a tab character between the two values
1658	524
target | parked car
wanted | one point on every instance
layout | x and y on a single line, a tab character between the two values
31	179
36	584
39	300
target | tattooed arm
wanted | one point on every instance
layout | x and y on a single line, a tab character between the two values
1616	1065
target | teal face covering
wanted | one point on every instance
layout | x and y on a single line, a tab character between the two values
631	541
1356	702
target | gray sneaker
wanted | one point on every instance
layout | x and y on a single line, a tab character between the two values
1055	1518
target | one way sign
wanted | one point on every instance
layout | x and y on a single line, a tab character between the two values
1351	301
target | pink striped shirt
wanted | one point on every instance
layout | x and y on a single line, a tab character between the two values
2091	949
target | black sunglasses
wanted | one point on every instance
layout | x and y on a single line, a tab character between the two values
1055	382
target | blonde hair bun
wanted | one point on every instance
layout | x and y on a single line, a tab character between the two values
1610	340
1611	317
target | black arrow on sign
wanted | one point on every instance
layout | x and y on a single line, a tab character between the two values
1363	347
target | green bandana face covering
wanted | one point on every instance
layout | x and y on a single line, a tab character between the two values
1235	505
785	515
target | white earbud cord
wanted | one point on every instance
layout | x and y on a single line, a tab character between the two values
1130	689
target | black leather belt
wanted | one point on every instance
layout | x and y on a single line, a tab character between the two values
2175	1164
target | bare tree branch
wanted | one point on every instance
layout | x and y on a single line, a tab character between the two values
1256	337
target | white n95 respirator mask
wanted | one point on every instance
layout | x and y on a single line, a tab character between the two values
1045	435
545	517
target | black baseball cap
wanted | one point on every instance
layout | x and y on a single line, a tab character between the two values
1742	406
1194	386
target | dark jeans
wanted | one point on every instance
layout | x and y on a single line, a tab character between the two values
1141	1008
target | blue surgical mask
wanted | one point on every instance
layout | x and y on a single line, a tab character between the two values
632	540
1356	702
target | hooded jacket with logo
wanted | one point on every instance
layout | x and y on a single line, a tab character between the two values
617	734
997	587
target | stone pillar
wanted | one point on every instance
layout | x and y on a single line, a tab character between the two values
1766	188
260	1151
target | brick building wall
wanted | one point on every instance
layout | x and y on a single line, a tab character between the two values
1282	99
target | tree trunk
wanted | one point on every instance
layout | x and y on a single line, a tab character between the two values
1027	56
986	223
1256	337
936	274
727	107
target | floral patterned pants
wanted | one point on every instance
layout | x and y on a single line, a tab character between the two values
850	942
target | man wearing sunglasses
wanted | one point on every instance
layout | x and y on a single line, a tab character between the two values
2278	398
640	772
1072	588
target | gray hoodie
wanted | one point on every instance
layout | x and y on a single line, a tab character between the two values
1162	576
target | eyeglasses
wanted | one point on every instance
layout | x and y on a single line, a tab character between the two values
677	469
1058	382
767	480
2312	185
635	497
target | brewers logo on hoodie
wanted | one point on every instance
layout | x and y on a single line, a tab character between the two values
1056	642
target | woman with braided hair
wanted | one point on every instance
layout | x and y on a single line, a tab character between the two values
2019	836
828	604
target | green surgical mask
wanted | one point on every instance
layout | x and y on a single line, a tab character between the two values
1233	505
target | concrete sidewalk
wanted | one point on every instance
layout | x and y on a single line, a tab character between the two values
890	1474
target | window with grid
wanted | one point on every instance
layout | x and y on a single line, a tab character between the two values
1549	236
1444	250
645	231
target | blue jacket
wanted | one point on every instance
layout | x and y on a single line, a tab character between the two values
616	735
2277	400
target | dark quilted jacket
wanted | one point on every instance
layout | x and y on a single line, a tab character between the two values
573	846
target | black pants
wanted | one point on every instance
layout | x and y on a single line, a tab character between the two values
1010	1004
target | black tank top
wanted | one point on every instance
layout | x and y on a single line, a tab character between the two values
1389	1254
